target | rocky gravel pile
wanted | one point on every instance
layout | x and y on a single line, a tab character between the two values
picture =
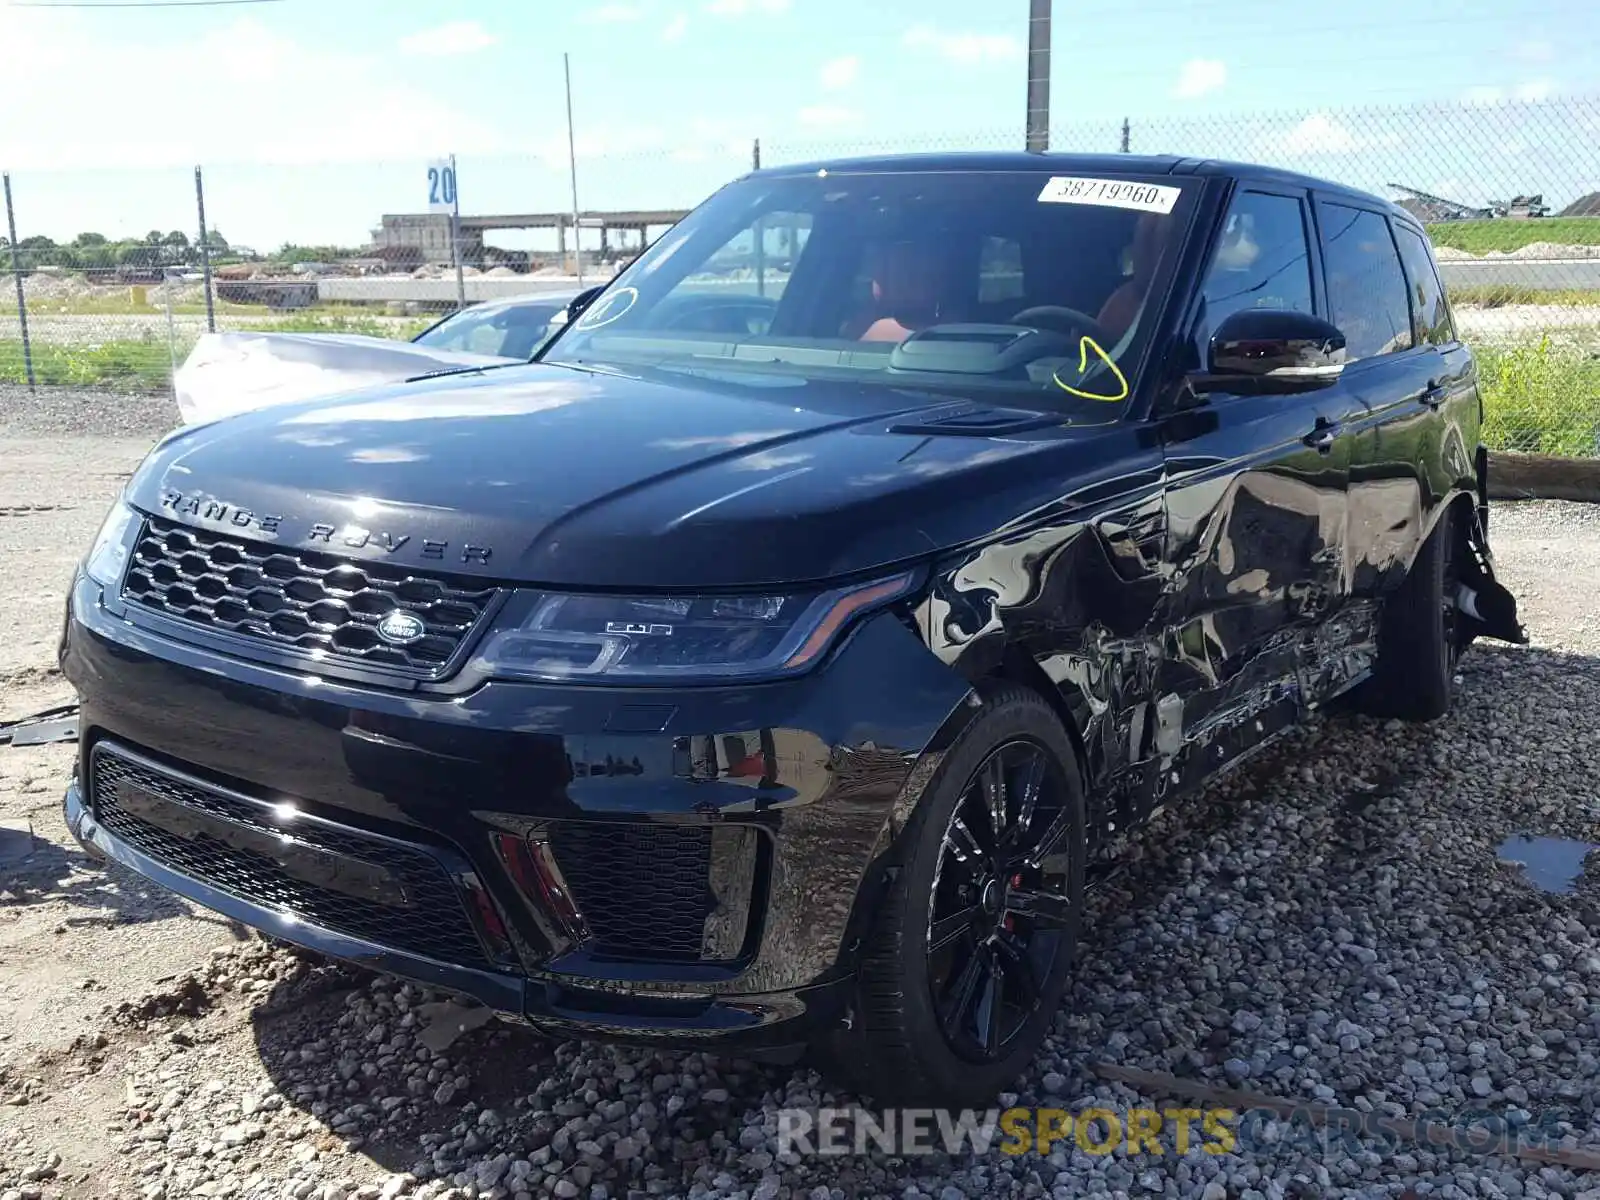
1330	926
64	411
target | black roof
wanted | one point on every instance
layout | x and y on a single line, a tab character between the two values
1119	164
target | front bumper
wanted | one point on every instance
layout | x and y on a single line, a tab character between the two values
804	784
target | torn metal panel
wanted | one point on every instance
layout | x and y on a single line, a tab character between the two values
59	724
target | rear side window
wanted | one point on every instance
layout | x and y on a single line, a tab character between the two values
1366	287
1429	315
1262	260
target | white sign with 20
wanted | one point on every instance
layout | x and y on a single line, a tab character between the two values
442	186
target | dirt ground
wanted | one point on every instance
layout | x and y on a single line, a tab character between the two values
106	982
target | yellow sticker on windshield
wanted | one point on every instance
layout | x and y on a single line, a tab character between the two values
1086	344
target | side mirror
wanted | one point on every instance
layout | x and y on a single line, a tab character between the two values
1274	349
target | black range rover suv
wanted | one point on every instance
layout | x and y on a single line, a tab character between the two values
773	662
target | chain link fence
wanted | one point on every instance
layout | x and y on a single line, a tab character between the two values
1509	191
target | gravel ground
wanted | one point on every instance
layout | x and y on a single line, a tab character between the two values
91	329
1330	924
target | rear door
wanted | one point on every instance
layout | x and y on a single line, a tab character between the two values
1255	502
1401	380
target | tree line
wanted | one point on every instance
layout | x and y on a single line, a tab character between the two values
96	252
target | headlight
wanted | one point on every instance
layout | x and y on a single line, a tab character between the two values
108	557
660	639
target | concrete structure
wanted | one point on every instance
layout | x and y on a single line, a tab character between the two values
428	234
639	221
379	289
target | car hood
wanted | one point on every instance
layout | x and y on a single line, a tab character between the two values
554	475
230	373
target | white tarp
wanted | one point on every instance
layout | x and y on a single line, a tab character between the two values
228	373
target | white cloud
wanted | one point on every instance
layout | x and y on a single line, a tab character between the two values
674	29
839	73
456	37
1319	134
828	116
964	48
1531	91
740	8
1200	76
290	101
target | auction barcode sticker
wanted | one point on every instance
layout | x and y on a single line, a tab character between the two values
1110	193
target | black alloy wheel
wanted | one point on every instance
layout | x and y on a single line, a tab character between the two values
999	905
973	943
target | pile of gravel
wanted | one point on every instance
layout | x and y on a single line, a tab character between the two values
84	412
1330	926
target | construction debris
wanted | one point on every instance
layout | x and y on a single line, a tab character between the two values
59	724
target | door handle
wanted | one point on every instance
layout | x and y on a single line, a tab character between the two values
1322	438
1434	394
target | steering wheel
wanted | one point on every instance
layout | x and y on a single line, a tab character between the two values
1061	319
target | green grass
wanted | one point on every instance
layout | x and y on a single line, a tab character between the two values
1498	295
143	363
118	302
132	364
1479	237
323	322
1540	398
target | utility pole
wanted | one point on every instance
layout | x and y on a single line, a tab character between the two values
455	234
1038	138
22	297
572	163
205	251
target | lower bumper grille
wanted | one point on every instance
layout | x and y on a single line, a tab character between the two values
352	882
643	889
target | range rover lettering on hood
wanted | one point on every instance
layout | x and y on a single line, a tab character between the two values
354	537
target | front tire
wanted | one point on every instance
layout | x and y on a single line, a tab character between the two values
967	962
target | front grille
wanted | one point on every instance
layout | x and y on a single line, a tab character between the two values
374	888
301	600
642	889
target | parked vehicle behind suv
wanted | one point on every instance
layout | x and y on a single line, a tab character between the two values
774	664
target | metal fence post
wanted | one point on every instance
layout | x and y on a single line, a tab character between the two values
1038	128
455	234
205	250
22	299
572	164
1126	134
755	155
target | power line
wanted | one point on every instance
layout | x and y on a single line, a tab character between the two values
134	3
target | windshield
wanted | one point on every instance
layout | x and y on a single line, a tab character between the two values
1013	282
510	331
